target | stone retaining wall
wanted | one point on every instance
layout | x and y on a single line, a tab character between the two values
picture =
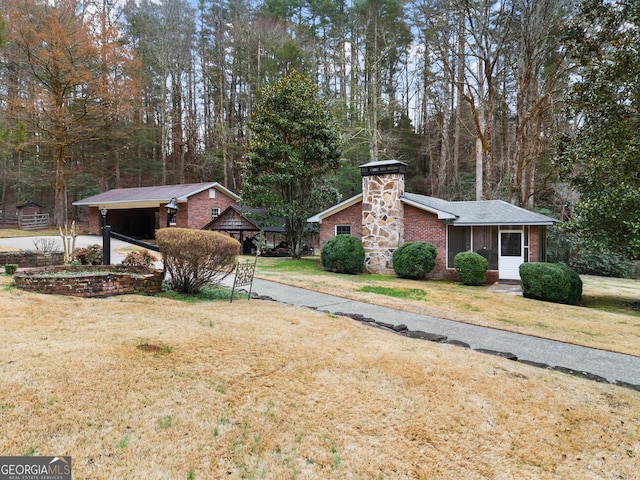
32	259
90	281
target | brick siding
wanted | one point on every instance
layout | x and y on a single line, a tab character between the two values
196	213
95	221
421	226
534	243
349	216
418	226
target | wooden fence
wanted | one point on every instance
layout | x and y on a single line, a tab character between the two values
34	221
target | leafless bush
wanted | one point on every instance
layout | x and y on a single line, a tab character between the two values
46	245
195	258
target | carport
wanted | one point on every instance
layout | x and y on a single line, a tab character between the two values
139	212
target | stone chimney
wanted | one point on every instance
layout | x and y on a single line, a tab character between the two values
382	213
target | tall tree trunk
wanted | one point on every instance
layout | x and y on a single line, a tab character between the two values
374	89
60	193
164	131
353	80
481	128
457	136
177	134
444	144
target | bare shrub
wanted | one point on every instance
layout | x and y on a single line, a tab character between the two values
46	245
195	258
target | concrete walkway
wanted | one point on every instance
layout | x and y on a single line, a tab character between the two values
581	361
82	241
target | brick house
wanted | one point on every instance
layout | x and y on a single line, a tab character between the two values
138	212
384	216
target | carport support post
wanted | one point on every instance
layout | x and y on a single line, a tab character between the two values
106	245
106	238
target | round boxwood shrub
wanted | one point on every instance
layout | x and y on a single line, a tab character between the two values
343	254
471	268
414	260
551	282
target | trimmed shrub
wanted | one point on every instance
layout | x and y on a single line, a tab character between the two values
471	268
10	268
195	258
551	282
139	258
343	254
414	260
92	255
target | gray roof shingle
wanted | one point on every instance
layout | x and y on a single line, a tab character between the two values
484	212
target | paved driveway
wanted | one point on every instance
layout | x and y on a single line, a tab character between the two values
28	243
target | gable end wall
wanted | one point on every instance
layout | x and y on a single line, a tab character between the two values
418	226
196	213
349	216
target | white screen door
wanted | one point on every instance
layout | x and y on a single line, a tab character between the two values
511	249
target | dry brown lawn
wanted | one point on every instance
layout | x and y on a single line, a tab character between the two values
16	232
137	387
614	330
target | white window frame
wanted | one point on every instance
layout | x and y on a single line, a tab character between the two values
212	193
215	213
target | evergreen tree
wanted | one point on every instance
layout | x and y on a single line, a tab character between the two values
602	158
293	148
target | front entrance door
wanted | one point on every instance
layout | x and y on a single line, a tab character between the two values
511	248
